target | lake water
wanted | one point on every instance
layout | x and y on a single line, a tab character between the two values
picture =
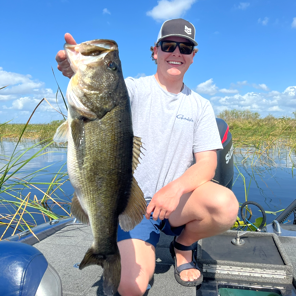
269	176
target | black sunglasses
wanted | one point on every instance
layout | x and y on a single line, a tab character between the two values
170	46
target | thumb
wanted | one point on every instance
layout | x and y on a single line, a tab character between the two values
69	39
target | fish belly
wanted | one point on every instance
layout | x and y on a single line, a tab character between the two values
100	170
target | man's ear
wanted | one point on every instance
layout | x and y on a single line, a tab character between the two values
155	49
193	55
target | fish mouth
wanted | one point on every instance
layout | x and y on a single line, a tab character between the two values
89	51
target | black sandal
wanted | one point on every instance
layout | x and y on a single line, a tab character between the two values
192	264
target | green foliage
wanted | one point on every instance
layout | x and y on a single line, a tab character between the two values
248	129
38	132
229	115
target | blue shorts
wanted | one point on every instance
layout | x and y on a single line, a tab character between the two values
149	231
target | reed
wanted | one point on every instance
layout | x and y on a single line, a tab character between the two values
37	132
248	129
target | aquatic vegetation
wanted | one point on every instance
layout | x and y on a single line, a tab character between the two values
248	129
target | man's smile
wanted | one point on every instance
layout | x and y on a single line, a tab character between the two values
175	63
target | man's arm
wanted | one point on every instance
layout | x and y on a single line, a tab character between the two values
166	200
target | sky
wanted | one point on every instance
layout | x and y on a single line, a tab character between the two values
246	58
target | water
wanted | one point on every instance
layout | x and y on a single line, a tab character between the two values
270	177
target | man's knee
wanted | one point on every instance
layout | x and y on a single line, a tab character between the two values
226	205
132	287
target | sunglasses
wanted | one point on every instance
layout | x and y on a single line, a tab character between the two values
170	46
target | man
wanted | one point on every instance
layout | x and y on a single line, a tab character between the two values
177	126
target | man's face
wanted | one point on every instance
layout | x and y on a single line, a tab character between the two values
173	64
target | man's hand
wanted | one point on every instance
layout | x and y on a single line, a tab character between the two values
164	201
61	58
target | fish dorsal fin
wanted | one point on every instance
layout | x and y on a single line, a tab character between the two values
61	135
78	211
136	207
137	145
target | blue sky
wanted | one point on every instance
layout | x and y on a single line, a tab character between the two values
246	57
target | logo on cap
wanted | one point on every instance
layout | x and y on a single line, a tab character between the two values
187	30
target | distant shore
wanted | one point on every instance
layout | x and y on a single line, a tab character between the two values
247	128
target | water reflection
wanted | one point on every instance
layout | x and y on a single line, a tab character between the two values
266	157
265	176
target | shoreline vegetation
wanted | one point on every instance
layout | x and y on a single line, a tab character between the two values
246	127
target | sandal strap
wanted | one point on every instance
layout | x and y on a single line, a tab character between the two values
185	266
181	247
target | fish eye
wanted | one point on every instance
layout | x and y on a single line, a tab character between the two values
112	66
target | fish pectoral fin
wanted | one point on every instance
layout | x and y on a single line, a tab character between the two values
78	211
137	145
77	131
135	209
61	135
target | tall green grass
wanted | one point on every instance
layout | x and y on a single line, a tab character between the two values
37	132
248	129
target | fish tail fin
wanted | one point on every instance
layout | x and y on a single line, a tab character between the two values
112	273
111	265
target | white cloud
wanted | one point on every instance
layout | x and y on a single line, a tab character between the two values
243	5
22	96
290	91
17	83
140	75
293	25
239	84
278	103
106	11
264	21
228	91
275	109
207	87
166	9
260	86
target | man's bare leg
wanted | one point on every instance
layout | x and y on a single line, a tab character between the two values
137	266
209	210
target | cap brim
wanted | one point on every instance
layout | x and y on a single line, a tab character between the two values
178	35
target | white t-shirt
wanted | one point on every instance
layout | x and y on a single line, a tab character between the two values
172	127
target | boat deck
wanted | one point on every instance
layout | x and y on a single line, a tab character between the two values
65	248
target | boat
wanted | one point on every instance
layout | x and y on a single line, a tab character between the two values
238	263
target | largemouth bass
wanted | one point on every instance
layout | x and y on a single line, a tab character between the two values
102	153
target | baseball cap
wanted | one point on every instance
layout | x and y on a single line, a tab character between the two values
177	27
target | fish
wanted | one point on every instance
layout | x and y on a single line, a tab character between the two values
102	154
